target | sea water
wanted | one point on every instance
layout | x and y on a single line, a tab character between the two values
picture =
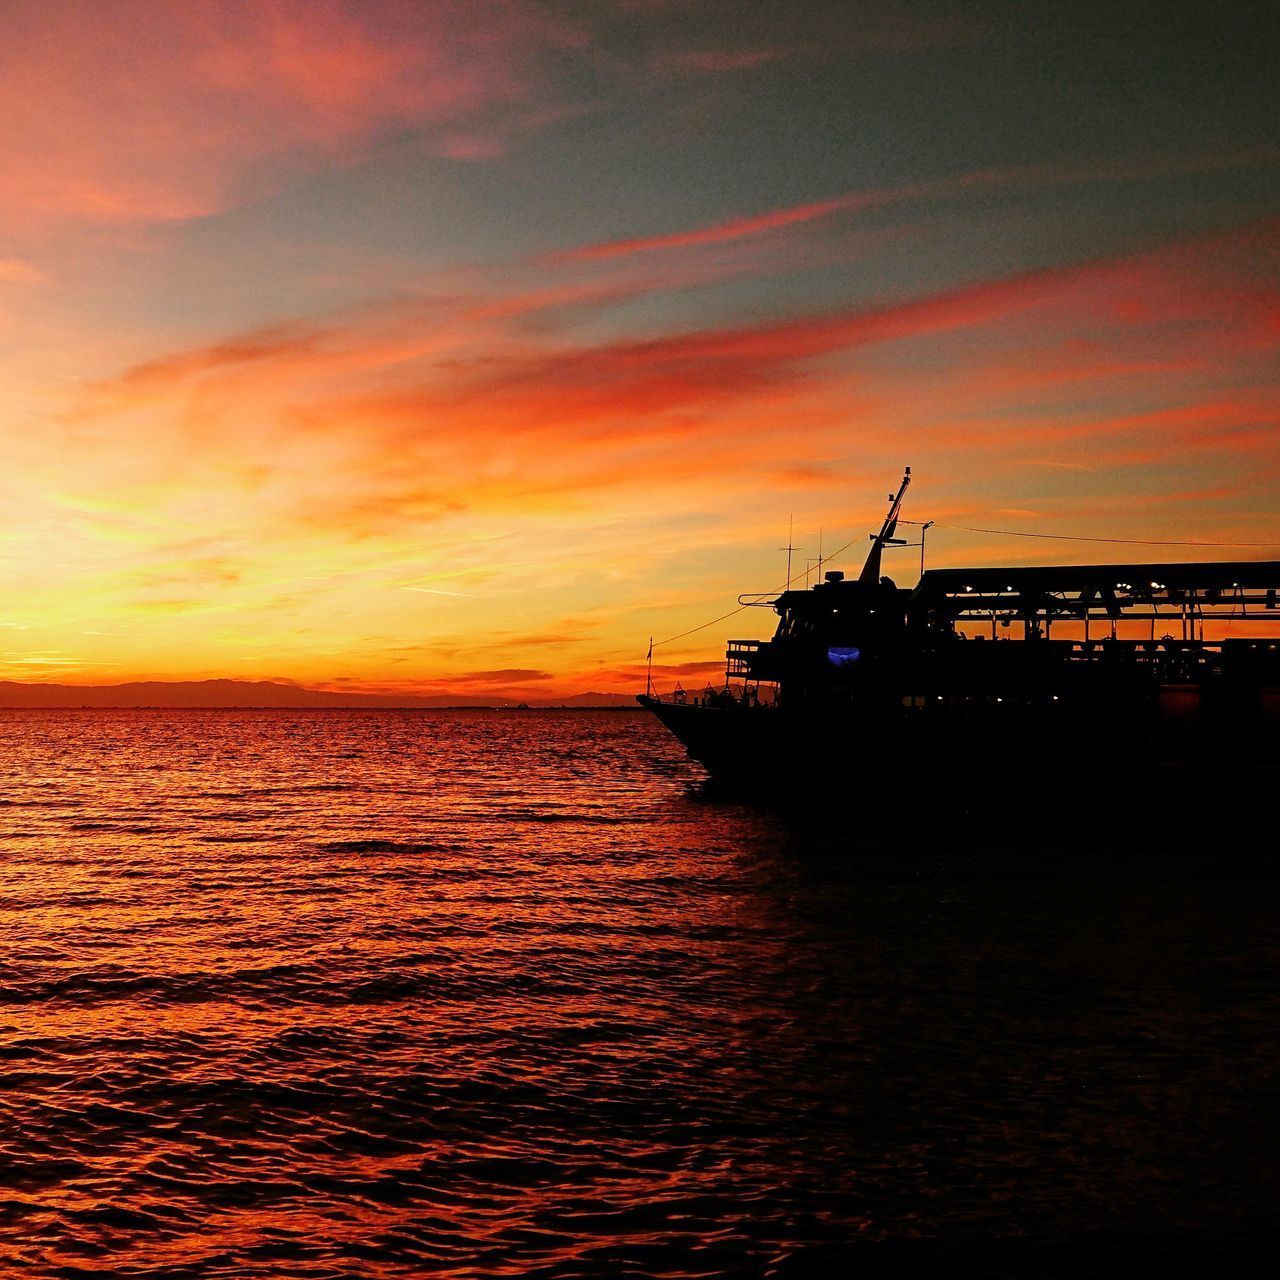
515	994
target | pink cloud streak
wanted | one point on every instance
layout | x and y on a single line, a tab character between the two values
146	111
1024	177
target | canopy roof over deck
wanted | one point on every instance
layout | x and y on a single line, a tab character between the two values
1239	590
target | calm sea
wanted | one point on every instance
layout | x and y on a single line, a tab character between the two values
510	994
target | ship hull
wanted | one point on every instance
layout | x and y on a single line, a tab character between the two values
1022	750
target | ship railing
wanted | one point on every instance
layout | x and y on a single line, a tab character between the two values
1022	670
738	656
741	694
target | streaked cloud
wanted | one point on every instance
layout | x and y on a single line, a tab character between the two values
1027	177
422	447
145	111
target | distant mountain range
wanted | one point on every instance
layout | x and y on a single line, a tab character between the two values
212	694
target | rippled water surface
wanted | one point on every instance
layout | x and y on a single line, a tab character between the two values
500	994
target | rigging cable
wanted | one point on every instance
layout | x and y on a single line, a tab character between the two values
742	608
964	528
1074	537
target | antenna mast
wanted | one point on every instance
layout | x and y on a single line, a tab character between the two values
871	570
789	548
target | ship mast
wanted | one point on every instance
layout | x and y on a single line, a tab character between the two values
871	570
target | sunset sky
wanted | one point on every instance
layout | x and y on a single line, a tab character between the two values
461	345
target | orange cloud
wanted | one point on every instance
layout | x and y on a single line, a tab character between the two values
17	271
305	497
471	387
145	111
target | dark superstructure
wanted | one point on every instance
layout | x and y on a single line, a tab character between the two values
967	664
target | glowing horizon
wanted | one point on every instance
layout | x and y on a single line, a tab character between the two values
435	348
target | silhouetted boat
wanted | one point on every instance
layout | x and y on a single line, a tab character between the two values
864	675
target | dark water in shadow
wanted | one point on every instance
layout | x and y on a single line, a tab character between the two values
381	994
